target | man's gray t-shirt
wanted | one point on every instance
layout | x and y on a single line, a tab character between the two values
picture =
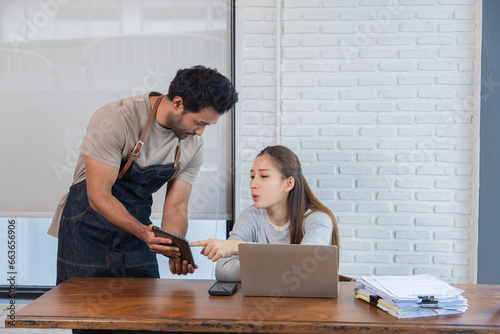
112	134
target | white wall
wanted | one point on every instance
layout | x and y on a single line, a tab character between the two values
379	99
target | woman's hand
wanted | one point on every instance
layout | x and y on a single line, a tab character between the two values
215	249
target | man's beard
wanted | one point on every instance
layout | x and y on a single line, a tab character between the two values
175	124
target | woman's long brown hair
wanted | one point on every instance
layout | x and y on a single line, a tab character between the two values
300	198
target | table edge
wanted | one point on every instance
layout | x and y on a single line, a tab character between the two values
267	326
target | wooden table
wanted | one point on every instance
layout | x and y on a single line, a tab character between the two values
184	305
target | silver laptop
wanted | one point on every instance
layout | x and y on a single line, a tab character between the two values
283	270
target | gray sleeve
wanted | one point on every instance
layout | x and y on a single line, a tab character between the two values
105	138
228	269
245	229
318	229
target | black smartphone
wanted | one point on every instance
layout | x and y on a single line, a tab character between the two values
223	289
177	241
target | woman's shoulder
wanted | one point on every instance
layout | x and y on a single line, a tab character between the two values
313	216
253	209
247	225
253	212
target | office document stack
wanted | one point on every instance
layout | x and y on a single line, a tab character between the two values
411	296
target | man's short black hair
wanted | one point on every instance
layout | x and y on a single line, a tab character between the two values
201	87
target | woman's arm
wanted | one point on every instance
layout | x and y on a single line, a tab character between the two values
215	249
244	230
228	269
318	229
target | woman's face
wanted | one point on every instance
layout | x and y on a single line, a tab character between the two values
267	185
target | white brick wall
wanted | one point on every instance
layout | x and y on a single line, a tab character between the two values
379	98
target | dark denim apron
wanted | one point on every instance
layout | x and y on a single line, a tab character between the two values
91	246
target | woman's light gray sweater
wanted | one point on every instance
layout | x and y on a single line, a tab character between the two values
253	225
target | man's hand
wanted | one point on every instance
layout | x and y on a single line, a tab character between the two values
215	249
179	267
159	245
175	220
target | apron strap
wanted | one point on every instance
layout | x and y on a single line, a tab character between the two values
176	162
140	143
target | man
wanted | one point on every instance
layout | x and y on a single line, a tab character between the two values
104	228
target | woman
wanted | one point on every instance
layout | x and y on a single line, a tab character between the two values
285	211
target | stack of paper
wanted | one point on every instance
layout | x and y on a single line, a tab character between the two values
411	296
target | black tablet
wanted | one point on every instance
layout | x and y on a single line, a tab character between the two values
177	241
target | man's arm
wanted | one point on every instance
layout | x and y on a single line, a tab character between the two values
174	219
175	208
100	180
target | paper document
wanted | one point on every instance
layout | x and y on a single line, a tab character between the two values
411	296
411	287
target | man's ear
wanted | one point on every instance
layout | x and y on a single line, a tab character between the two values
290	183
178	103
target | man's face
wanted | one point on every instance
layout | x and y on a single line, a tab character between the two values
189	124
